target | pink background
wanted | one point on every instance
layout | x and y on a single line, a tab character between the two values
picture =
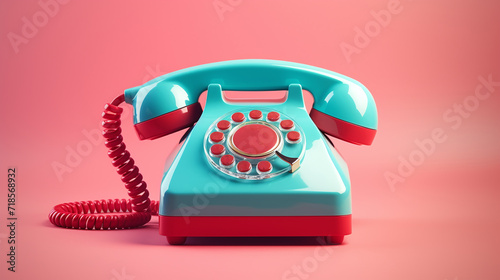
441	221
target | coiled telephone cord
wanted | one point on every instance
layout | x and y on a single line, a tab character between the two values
112	213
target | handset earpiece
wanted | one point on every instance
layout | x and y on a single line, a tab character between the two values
162	108
346	110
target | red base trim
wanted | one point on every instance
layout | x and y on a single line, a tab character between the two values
184	226
169	122
341	129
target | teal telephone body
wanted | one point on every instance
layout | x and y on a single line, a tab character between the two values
244	169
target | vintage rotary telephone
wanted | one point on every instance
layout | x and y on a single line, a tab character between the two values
244	169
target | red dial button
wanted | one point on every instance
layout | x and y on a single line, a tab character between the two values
264	166
273	116
216	136
238	117
293	136
255	114
244	166
217	149
286	124
223	125
227	160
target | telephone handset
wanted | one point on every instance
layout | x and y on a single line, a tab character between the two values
250	169
342	107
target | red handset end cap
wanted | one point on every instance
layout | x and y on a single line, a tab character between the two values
169	122
341	129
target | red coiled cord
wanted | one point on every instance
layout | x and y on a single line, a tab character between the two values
128	213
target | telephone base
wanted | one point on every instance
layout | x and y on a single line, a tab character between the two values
177	228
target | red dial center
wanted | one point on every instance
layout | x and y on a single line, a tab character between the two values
255	139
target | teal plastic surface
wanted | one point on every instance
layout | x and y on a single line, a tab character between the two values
334	94
193	187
